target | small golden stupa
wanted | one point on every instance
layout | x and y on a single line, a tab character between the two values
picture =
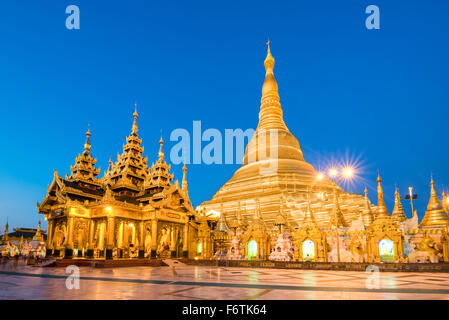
435	216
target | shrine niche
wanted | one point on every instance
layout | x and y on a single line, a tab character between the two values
310	244
202	242
384	241
255	239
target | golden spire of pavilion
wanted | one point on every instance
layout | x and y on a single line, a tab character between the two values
84	167
135	116
398	210
87	145
159	172
184	181
435	215
161	149
381	210
184	178
130	170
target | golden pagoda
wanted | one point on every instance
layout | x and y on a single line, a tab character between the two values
398	210
435	216
274	168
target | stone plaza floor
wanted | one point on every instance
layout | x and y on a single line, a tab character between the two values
18	281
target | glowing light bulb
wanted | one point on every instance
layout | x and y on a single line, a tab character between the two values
348	172
108	209
319	176
333	172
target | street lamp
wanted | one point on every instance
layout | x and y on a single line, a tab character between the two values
411	197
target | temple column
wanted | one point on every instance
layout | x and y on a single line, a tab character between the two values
141	240
185	240
153	238
90	246
110	237
68	253
203	248
49	249
172	242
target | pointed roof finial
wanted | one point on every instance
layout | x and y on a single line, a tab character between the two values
381	207
161	149
135	116
87	145
184	178
435	215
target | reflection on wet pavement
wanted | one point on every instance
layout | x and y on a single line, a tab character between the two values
18	281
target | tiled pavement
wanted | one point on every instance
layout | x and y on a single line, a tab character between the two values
194	282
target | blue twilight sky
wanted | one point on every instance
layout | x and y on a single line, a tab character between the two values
380	96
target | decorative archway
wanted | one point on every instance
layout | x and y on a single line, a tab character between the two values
386	250
252	249
308	250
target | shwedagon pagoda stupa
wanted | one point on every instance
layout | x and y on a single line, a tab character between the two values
290	184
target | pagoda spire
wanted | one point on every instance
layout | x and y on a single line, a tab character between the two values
381	209
435	215
159	173
368	214
161	149
87	145
222	225
184	178
398	210
309	217
270	115
84	167
130	170
6	234
135	116
337	219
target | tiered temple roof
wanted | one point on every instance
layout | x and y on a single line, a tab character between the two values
84	169
128	174
129	180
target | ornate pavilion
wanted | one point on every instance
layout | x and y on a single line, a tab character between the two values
132	211
275	207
